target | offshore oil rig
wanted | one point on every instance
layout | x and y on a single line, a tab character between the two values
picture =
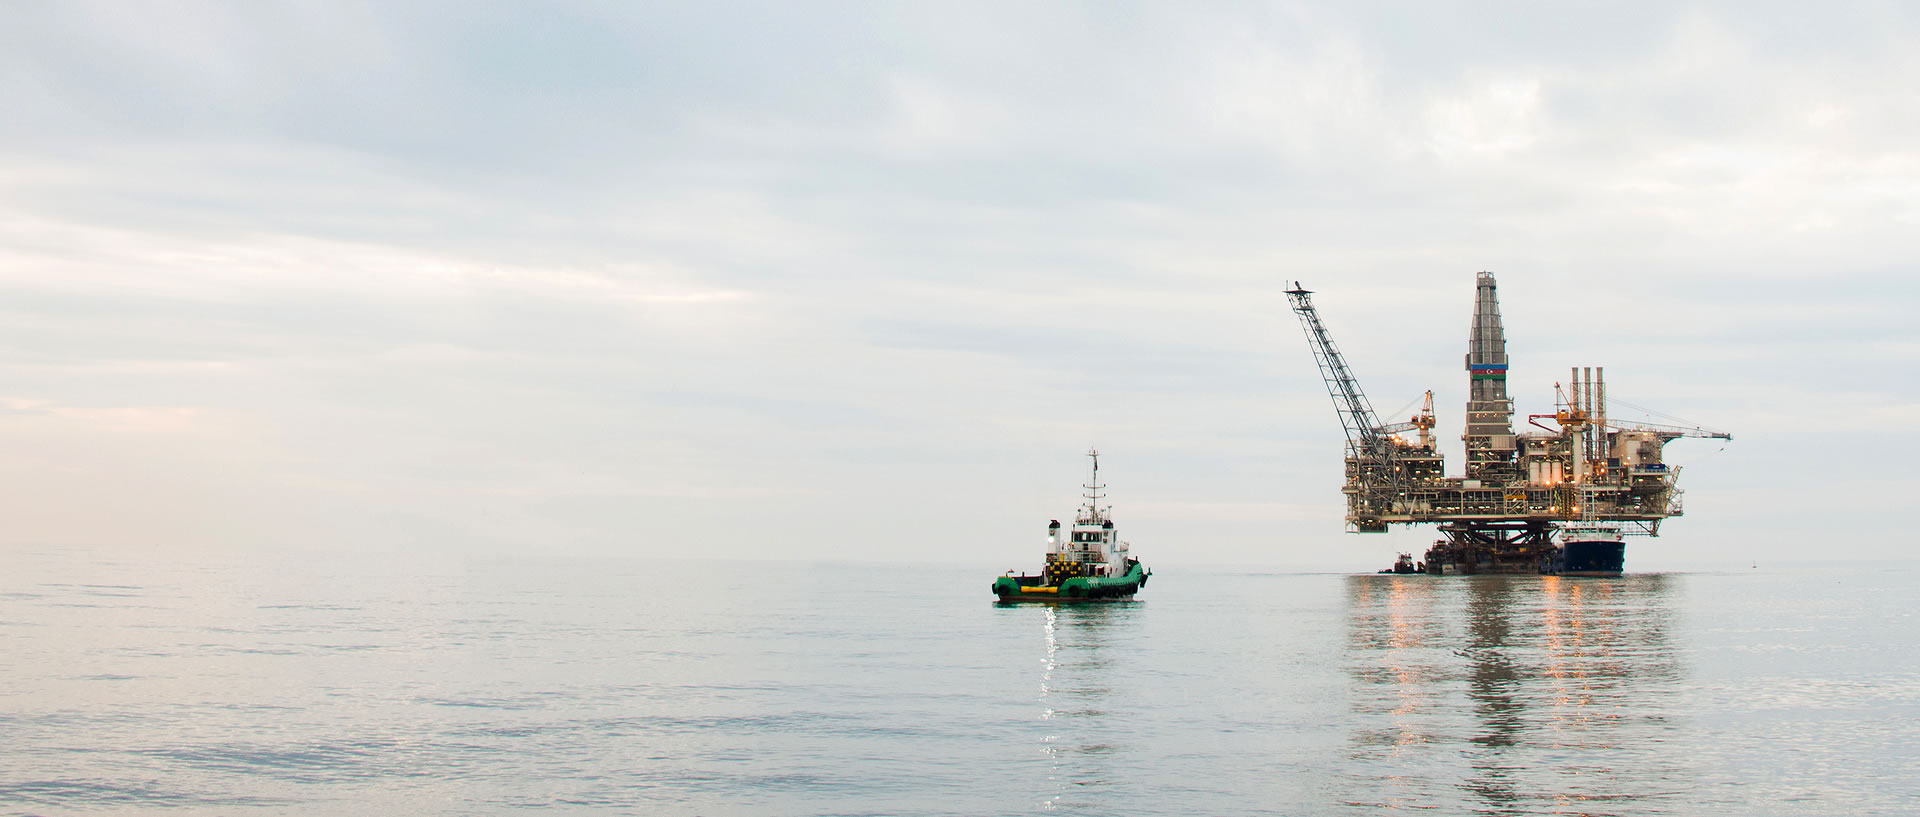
1555	500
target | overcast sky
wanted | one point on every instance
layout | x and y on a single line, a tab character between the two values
864	281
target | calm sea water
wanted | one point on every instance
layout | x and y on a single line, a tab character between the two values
358	685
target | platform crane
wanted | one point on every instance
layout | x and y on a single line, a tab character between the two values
1380	463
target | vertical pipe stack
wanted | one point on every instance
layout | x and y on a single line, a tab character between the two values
1600	414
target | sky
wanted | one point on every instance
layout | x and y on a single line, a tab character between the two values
864	281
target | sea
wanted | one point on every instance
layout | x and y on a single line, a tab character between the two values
306	684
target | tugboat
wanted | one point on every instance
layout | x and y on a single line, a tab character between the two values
1088	563
1405	566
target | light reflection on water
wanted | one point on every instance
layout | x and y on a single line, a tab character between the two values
1075	687
339	687
1515	694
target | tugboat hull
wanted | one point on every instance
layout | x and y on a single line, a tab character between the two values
1602	558
1079	588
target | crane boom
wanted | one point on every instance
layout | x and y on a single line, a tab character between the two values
1379	464
1356	414
1666	430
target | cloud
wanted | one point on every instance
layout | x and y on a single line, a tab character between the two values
759	278
104	419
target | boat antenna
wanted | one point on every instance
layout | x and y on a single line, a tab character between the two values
1093	488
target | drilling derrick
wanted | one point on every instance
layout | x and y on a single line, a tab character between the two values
1512	545
1585	478
1489	436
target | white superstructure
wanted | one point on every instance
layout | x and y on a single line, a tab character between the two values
1093	546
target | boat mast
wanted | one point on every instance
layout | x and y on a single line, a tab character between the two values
1093	488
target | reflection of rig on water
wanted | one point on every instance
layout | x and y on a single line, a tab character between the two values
1586	477
1470	697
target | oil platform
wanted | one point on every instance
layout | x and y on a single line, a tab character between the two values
1553	500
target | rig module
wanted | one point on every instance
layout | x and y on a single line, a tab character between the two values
1554	500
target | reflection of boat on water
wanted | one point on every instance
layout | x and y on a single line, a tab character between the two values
1085	717
1082	732
1088	563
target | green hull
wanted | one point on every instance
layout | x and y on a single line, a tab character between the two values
1080	588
